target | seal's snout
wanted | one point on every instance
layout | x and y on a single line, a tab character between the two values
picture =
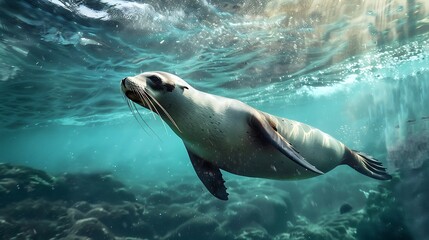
123	82
132	90
132	83
124	85
125	89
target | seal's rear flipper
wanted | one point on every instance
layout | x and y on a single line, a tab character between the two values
270	134
210	175
365	164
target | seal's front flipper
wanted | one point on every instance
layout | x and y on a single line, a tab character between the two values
269	133
210	175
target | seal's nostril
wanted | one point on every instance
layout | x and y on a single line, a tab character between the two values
123	82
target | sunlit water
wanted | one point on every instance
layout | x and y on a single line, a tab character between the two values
357	70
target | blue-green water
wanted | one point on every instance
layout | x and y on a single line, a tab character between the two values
358	71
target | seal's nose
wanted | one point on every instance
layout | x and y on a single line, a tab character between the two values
123	82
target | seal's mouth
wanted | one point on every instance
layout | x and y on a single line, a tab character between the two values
132	94
133	97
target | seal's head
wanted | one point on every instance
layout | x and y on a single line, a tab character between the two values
156	91
149	87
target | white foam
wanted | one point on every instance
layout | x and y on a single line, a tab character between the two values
143	15
324	91
58	3
91	13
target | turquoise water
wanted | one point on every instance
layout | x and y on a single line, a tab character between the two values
358	71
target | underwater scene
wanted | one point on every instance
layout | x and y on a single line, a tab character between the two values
162	119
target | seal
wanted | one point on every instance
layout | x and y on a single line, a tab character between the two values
224	133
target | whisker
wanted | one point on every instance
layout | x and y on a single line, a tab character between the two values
165	111
133	108
151	106
144	99
156	109
140	115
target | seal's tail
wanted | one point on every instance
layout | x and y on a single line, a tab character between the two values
365	164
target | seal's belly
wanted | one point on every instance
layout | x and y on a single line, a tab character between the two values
265	162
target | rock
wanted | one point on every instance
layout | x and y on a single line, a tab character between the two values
314	233
201	227
75	206
32	218
275	213
242	215
91	228
82	206
332	227
141	229
98	212
345	208
24	173
36	209
92	188
270	212
64	223
165	218
156	198
412	192
253	234
124	219
18	183
384	215
7	229
212	206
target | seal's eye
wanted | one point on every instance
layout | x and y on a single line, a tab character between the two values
155	82
155	79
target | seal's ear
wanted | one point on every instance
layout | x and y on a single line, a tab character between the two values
183	87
